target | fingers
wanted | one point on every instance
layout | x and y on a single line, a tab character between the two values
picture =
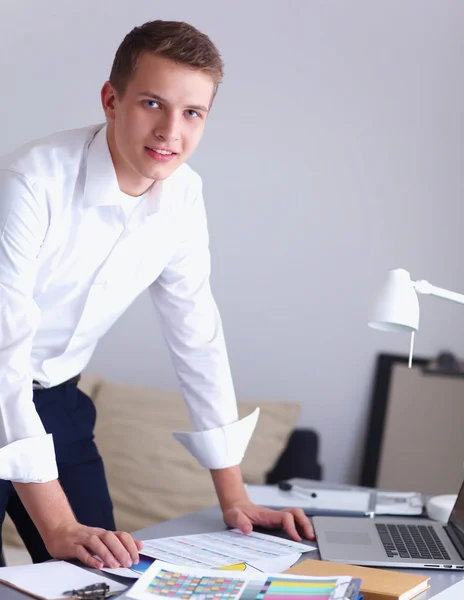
244	524
129	544
288	523
100	547
117	548
87	559
237	518
303	523
139	545
93	546
292	520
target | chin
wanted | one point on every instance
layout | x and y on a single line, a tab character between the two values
161	172
164	174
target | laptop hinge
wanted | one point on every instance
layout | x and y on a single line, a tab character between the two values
456	538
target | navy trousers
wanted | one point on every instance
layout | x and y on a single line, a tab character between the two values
69	415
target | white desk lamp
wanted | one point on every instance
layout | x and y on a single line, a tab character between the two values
396	307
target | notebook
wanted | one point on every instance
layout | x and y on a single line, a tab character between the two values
377	584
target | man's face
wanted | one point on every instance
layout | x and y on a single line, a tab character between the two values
158	122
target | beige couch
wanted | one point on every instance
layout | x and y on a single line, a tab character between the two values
151	476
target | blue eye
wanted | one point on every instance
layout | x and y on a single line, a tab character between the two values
192	113
152	103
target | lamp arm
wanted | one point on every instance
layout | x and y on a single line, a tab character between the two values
424	287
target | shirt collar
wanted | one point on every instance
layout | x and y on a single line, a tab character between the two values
101	182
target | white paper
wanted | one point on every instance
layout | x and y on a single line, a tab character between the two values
161	579
398	503
223	548
50	579
455	592
274	565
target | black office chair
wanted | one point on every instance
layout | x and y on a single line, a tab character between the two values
300	458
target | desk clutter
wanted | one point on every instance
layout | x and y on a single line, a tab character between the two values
257	569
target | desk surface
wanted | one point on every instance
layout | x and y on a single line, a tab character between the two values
210	519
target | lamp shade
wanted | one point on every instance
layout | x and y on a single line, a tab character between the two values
396	307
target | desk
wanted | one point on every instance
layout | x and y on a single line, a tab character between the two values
210	519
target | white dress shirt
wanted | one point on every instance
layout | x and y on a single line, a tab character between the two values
75	252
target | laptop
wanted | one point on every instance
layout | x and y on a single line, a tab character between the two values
394	542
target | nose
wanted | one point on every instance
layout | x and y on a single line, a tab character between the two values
167	128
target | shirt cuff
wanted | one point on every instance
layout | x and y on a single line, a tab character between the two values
31	460
221	447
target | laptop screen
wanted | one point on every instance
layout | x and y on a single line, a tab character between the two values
457	516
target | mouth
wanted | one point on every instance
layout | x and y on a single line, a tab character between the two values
160	154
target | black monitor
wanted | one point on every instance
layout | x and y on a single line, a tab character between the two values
456	519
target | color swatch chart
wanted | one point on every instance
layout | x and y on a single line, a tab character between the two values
188	587
277	588
182	586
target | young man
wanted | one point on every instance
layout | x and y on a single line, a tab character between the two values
89	219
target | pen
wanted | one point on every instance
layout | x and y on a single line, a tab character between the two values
285	486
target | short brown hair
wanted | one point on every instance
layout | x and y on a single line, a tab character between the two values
175	40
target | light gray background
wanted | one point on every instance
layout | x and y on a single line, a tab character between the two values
333	153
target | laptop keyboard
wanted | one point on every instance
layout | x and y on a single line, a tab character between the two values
411	541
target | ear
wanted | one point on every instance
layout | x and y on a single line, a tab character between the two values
108	100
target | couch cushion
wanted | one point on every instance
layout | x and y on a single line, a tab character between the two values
275	424
151	476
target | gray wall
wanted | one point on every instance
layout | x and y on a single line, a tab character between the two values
332	154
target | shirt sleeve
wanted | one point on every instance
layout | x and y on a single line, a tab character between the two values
26	451
192	328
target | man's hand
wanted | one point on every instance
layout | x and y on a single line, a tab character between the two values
73	540
239	512
292	520
64	537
